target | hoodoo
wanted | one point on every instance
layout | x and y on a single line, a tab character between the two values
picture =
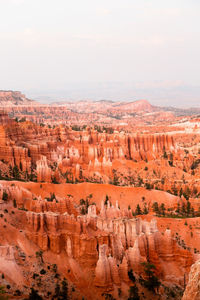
105	208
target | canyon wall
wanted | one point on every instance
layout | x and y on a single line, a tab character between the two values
114	246
68	155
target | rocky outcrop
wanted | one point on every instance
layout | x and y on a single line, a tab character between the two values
113	245
55	224
103	270
79	230
192	290
7	252
9	266
12	98
43	171
63	155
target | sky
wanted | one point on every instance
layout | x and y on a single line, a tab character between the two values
63	45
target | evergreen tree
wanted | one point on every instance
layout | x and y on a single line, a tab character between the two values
183	210
115	177
5	196
192	212
165	155
178	208
138	210
61	293
133	293
131	275
14	203
152	282
106	200
39	254
145	210
187	193
64	290
162	209
156	208
57	290
188	207
16	172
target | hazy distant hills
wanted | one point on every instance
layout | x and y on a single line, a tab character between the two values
16	98
162	93
134	106
104	106
182	111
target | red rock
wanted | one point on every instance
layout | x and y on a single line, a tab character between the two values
192	290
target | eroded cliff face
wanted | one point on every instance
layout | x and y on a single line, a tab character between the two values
83	112
99	246
108	243
89	228
72	155
108	235
39	153
192	290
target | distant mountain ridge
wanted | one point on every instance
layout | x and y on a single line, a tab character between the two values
104	105
9	98
141	105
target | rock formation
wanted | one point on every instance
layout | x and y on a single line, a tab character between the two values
12	98
92	192
114	241
192	290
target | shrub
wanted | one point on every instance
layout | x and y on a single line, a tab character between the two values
133	293
34	295
195	164
17	293
82	201
42	272
131	275
138	210
35	275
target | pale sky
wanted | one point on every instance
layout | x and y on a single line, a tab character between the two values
48	44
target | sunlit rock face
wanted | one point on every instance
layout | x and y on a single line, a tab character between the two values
64	155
